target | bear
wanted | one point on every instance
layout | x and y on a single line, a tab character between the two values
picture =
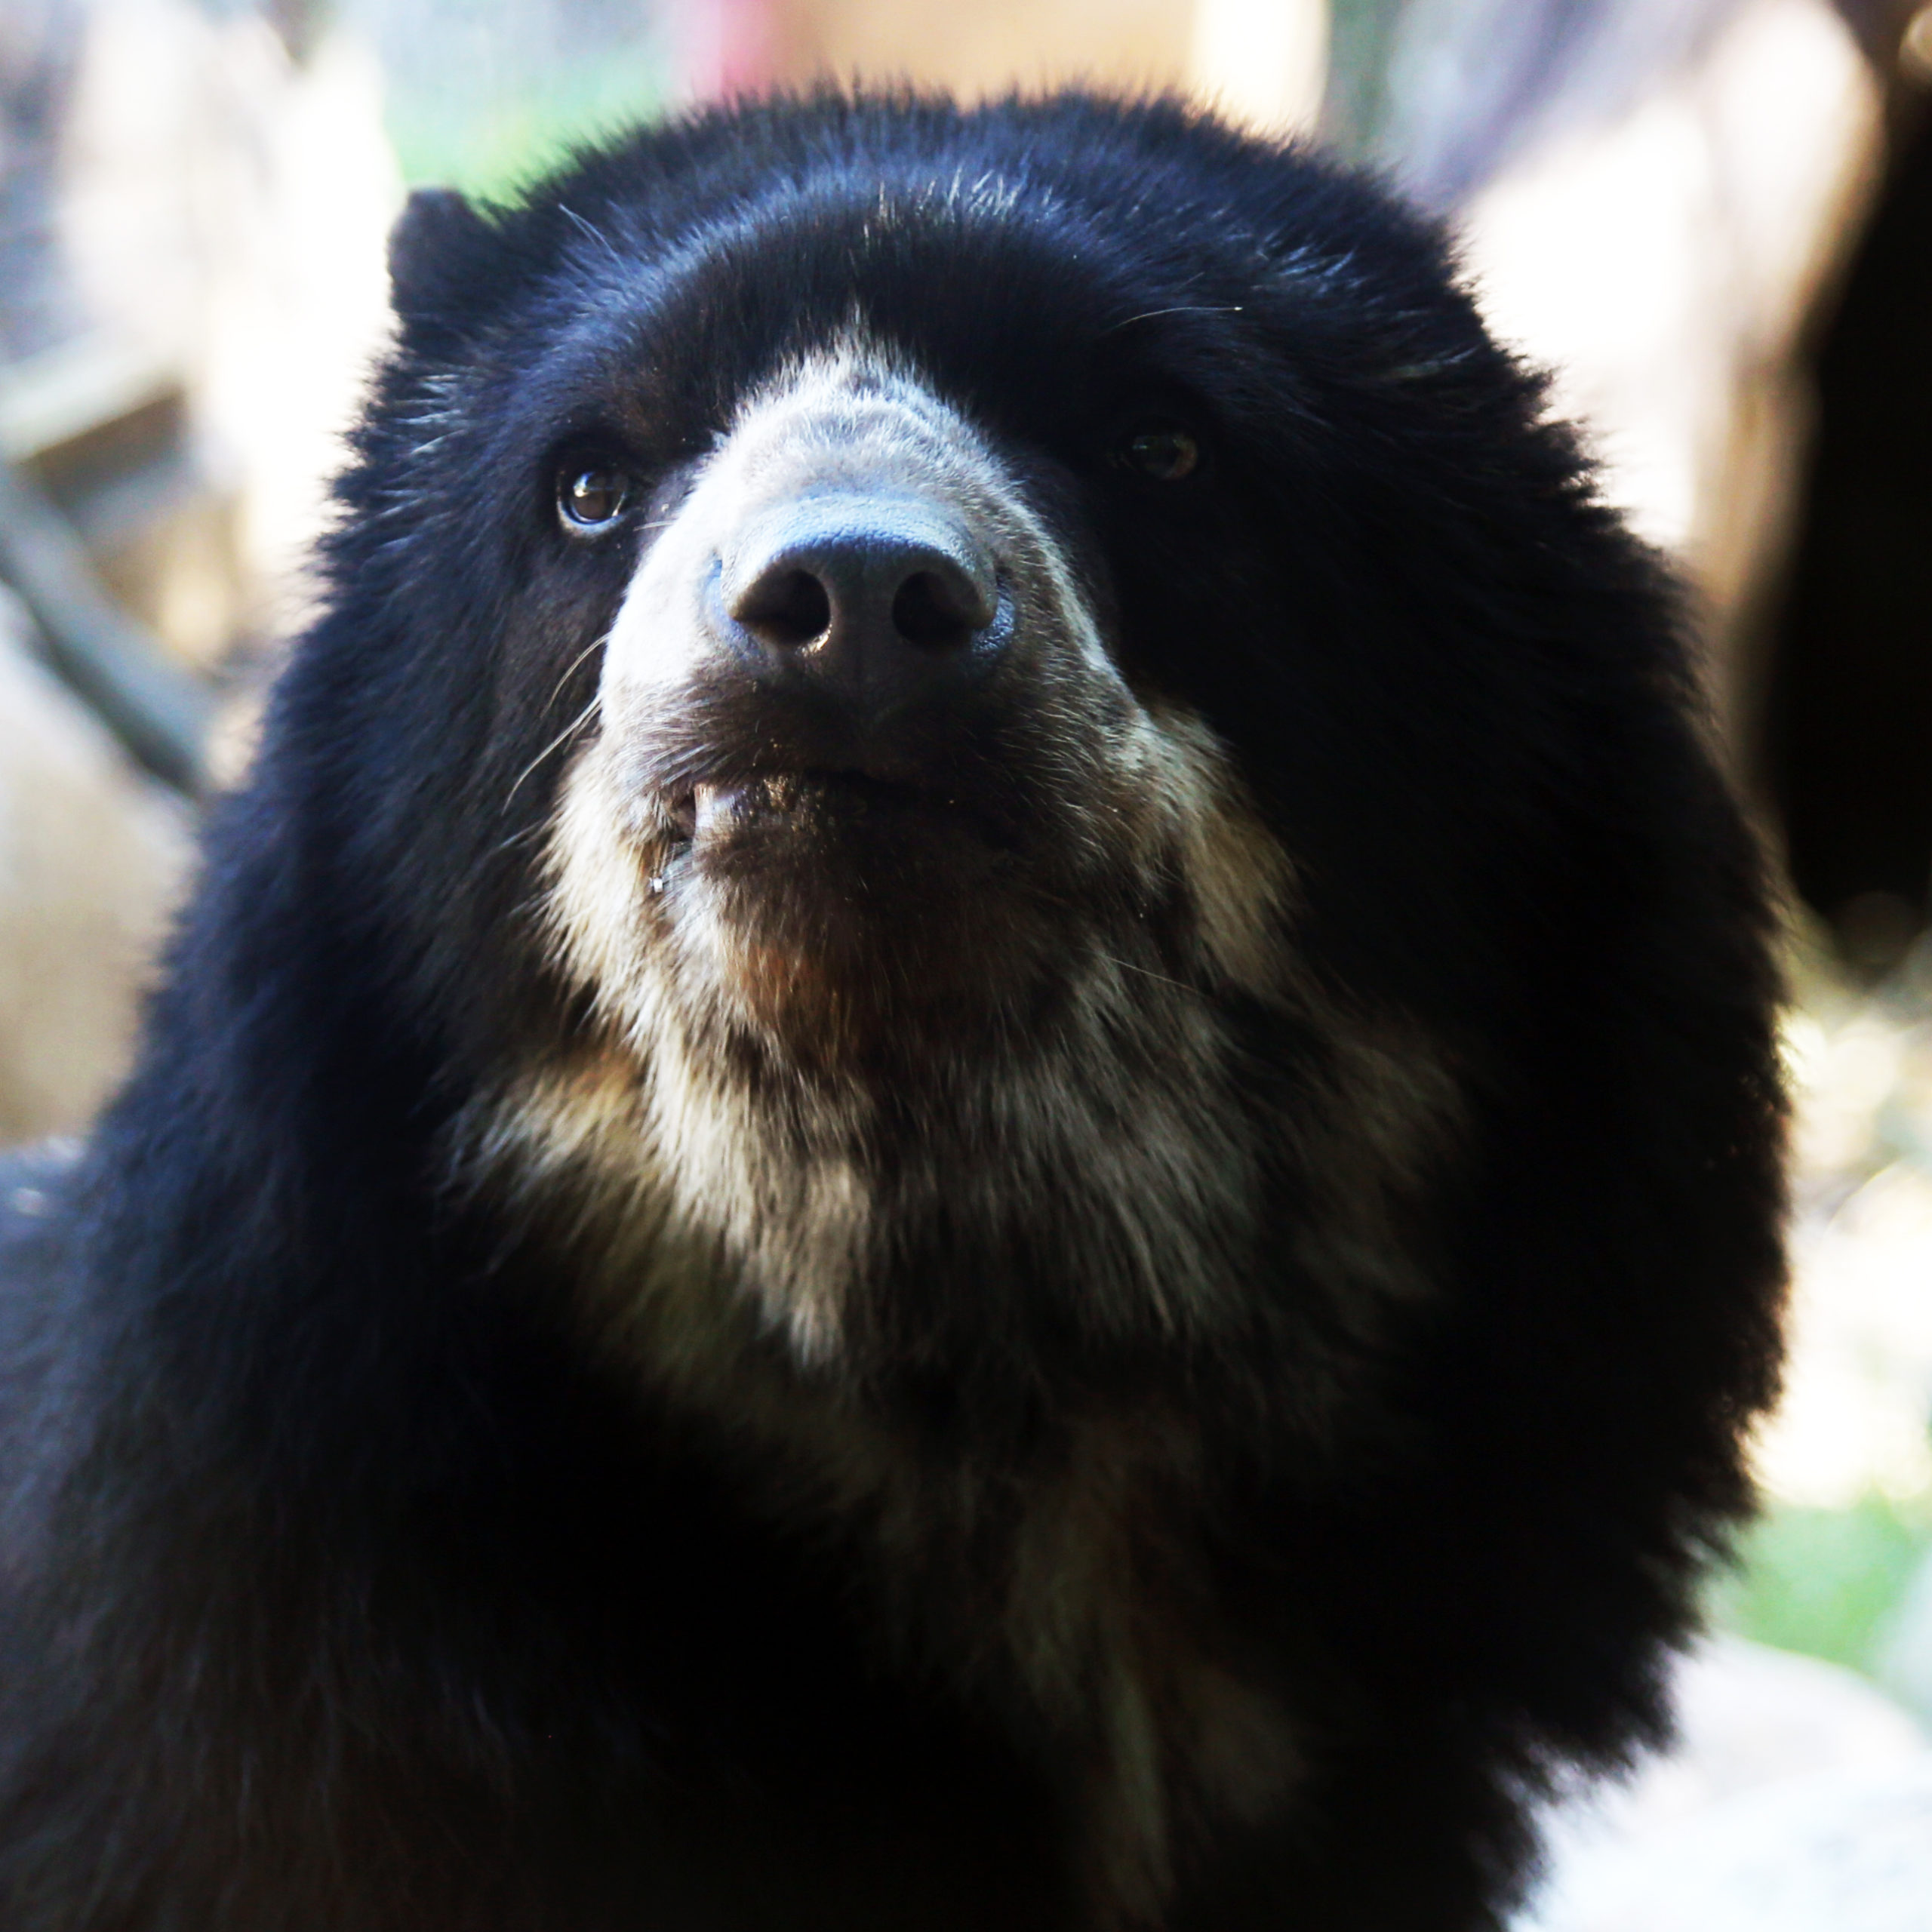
972	1122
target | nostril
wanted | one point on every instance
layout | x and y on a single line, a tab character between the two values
791	607
940	610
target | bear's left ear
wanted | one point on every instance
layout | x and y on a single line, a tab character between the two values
445	263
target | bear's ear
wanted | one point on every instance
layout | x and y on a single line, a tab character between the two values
445	263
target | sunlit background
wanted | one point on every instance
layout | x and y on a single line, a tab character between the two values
1711	219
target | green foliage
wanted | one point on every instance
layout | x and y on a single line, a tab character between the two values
1824	1582
494	148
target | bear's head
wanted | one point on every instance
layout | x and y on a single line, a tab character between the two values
994	739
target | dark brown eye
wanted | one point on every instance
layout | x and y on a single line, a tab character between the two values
591	500
1164	451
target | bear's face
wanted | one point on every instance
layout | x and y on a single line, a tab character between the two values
904	600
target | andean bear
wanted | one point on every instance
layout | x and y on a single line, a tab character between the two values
973	1124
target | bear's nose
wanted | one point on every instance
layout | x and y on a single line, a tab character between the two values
880	603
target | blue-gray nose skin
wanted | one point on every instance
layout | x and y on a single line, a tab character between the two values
880	603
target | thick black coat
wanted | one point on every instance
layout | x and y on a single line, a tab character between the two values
349	1583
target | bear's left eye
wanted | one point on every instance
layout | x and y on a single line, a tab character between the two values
590	498
1164	451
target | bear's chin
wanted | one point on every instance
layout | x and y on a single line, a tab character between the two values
827	981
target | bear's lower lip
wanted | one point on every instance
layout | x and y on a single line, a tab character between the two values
838	805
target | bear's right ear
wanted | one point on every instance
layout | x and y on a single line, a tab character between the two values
445	261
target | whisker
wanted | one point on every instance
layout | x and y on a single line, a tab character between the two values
596	644
569	731
595	234
1148	972
522	837
1184	308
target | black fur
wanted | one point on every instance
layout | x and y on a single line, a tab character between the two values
346	1585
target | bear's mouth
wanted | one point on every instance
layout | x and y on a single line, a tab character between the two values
719	818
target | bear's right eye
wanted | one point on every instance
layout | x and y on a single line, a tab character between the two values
591	499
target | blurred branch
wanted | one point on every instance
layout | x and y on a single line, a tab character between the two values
159	713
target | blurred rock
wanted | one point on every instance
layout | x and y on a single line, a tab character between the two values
1834	1851
1664	264
226	209
1797	1799
92	857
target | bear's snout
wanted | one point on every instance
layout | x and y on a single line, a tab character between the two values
879	601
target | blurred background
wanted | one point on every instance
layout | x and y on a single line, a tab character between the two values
1712	219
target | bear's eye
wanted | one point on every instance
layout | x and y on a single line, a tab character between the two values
1164	451
591	499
